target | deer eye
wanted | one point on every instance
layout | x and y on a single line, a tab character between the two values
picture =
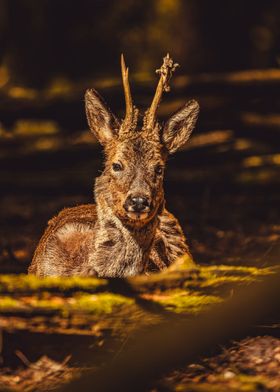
117	167
158	170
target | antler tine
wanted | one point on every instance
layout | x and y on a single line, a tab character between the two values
165	71
127	93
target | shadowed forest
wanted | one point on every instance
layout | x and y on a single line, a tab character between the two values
223	186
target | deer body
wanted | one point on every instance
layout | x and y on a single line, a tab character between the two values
128	231
73	245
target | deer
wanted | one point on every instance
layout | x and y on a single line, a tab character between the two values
128	231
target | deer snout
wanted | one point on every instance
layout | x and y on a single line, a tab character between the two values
137	204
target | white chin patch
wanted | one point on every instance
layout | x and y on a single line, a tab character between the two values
137	215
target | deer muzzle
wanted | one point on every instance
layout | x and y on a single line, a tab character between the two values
137	207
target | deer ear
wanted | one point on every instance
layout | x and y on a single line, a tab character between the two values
103	124
179	127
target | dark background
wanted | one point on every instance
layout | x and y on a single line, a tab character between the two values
44	39
223	187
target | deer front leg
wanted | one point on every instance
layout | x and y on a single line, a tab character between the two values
156	259
170	242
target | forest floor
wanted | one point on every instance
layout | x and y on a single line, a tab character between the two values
225	189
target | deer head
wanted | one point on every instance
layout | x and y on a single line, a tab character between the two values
132	181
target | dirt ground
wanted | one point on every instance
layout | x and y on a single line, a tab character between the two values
251	364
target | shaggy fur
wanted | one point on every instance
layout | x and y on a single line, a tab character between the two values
106	240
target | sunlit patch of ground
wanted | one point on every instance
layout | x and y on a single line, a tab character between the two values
252	364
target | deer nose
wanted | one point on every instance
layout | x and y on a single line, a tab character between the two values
137	204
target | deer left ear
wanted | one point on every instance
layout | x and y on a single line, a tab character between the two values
179	127
101	120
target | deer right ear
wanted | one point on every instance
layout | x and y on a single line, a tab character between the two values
103	124
179	127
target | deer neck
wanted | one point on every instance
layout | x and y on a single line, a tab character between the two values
142	235
120	249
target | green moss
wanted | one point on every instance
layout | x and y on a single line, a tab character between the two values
27	283
255	271
216	276
239	383
222	280
87	303
206	387
101	303
182	264
184	268
184	302
8	303
199	288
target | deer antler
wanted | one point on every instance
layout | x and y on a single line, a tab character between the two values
165	71
127	93
131	112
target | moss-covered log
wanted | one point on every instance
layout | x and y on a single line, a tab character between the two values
92	318
90	305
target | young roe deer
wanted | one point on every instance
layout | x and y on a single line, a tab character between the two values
128	231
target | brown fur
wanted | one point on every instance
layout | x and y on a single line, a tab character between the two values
109	239
72	252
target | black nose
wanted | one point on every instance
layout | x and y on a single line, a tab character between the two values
137	204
